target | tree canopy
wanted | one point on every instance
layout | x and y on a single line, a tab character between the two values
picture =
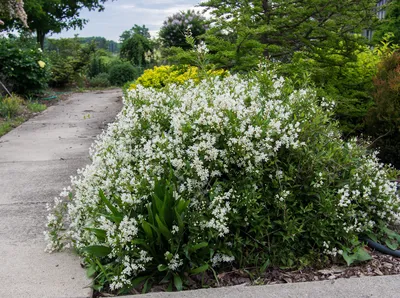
136	29
174	28
52	16
276	29
391	22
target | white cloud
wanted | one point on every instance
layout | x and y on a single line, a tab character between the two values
121	15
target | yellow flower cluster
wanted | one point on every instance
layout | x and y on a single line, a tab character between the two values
161	76
41	64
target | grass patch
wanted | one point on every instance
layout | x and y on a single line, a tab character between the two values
9	124
35	107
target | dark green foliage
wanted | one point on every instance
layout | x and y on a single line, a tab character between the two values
122	72
174	28
277	29
383	121
96	66
69	60
135	49
62	71
100	80
346	80
391	22
20	69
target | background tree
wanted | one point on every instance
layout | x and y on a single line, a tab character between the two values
136	29
52	16
135	49
391	22
173	30
282	27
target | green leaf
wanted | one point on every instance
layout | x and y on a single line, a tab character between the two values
110	206
182	205
162	267
391	244
372	237
100	234
265	266
147	229
138	280
198	246
359	255
97	250
178	282
91	271
199	269
163	229
179	220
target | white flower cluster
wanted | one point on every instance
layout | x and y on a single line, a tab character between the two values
331	251
218	258
204	133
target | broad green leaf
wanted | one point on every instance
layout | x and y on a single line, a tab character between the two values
393	245
100	234
265	266
91	270
97	250
178	282
163	229
179	220
363	255
162	267
147	229
138	280
198	246
359	256
200	269
110	206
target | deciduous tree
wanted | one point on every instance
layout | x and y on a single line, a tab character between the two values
279	28
52	16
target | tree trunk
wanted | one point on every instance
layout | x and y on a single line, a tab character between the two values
40	35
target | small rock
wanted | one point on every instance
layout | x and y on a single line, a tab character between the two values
332	277
388	265
377	271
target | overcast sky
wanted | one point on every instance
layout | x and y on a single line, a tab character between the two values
121	15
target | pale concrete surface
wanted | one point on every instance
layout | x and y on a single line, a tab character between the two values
365	287
36	162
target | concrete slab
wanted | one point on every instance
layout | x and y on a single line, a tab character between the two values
36	162
365	287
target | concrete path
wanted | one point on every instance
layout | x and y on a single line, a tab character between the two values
36	162
365	287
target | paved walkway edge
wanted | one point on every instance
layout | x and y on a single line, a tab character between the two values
364	287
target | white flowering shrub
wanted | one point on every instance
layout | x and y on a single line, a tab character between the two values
243	172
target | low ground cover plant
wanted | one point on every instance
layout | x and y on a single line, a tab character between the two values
10	106
243	172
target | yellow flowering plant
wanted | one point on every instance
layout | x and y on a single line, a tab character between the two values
161	76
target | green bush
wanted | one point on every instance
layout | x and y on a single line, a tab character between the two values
383	119
227	173
22	66
122	72
101	80
62	70
96	66
10	106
